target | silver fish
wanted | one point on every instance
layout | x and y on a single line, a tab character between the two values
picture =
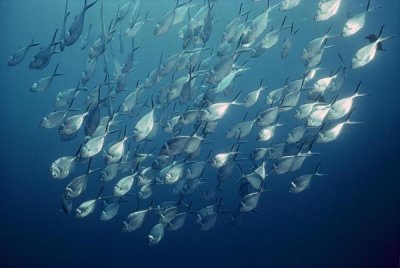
156	234
44	83
20	54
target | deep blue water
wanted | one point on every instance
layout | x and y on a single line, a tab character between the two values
350	218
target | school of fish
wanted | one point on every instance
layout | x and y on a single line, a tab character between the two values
152	144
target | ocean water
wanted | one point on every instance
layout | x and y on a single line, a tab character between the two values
350	218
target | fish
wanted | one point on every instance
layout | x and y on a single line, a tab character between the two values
331	134
53	119
257	26
73	123
89	71
356	22
123	11
86	38
62	167
286	5
222	159
76	28
42	58
315	46
167	214
227	80
135	220
177	222
109	172
110	210
325	83
367	53
156	234
216	111
94	144
288	42
250	201
124	185
207	216
302	183
165	22
136	25
174	173
115	152
87	207
66	206
343	106
296	134
267	117
65	98
145	192
327	9
145	125
271	38
44	83
268	132
252	97
62	37
19	55
318	115
255	178
78	184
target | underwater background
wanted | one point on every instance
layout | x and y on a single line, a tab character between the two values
350	218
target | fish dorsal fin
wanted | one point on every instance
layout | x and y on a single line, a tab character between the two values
54	38
381	31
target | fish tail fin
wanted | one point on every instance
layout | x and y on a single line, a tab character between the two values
54	38
151	204
283	23
356	92
341	60
236	98
189	206
329	30
101	190
89	165
33	44
381	39
316	171
240	8
274	6
349	122
381	31
90	5
369	8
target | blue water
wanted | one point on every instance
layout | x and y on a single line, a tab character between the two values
350	218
